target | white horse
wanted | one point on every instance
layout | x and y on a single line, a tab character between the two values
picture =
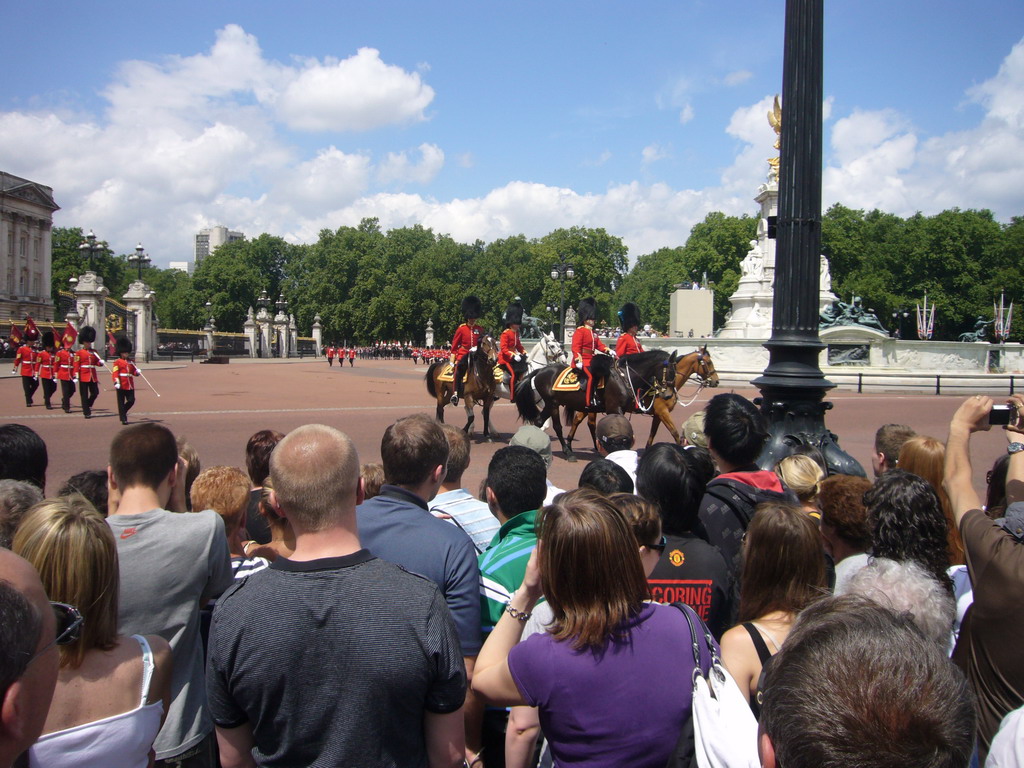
546	351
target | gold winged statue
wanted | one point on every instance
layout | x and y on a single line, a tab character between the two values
775	121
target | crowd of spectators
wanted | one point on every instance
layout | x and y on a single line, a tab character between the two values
312	610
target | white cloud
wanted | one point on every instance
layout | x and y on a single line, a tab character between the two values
686	114
737	77
652	153
196	140
398	169
359	93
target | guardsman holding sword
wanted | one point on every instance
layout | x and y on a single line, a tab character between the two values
124	371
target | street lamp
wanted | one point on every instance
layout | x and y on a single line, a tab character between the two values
90	247
140	259
897	318
282	305
562	272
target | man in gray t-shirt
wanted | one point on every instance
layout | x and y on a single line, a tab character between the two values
171	565
333	656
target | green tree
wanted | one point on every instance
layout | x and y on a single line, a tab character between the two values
650	283
715	248
69	262
599	261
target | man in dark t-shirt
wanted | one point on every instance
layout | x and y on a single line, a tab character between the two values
693	572
357	662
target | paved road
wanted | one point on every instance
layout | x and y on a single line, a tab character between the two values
217	408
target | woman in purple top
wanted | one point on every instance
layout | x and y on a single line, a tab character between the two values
612	675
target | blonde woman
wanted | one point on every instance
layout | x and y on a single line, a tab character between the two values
803	476
112	691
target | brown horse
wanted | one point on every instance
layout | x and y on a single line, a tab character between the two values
480	384
646	383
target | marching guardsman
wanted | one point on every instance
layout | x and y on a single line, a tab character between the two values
466	338
25	364
585	343
124	372
86	363
46	368
629	321
351	356
511	347
330	355
64	362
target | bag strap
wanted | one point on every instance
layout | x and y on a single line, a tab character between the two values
690	615
759	644
741	516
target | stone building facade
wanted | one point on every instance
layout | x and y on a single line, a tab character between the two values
26	220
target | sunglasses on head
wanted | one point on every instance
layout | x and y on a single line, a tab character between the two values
660	546
69	627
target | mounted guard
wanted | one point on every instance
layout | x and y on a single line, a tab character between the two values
585	345
511	354
466	339
629	322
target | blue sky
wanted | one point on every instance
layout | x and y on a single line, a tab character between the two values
486	119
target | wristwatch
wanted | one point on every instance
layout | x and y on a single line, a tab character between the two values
1015	448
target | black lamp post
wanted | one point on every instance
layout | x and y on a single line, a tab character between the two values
139	259
897	318
792	386
561	272
90	247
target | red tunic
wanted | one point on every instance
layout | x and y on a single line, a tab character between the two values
85	365
466	337
628	345
352	354
584	344
122	371
44	365
65	364
330	353
27	358
509	346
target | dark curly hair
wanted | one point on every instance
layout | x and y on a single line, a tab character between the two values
907	523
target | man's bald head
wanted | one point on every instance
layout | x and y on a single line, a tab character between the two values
27	626
315	471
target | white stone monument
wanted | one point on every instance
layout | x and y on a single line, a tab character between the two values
139	300
91	304
318	336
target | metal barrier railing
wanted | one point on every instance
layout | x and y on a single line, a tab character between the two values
935	382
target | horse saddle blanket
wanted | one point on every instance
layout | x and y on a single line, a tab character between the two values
572	380
447	374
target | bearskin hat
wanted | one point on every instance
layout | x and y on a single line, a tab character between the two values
629	316
587	310
49	340
514	314
87	334
124	345
471	309
31	334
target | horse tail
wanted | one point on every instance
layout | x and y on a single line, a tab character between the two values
431	384
525	402
570	416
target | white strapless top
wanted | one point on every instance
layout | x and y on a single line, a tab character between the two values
118	741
